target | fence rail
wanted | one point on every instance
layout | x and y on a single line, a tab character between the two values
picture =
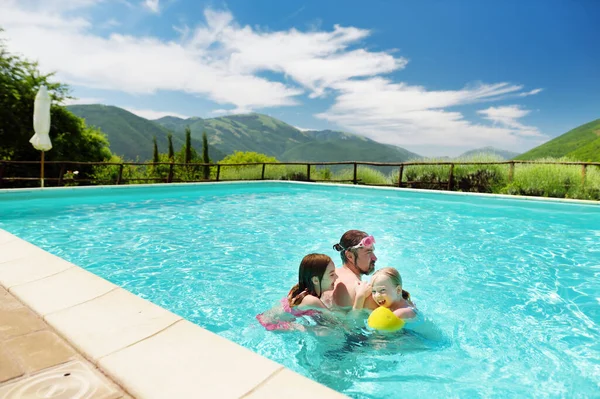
65	167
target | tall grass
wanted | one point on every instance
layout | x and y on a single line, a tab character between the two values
560	181
364	175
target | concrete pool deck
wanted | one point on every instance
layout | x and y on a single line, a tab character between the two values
64	330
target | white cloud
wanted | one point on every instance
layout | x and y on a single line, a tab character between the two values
219	58
152	5
531	93
507	116
152	114
226	63
413	117
134	64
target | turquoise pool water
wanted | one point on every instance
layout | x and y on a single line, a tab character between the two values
513	285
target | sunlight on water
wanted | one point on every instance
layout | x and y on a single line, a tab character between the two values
513	286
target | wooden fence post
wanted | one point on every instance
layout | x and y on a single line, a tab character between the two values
120	176
451	177
583	169
262	175
355	180
308	172
511	172
400	172
218	171
170	176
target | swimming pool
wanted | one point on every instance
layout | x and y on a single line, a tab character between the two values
512	284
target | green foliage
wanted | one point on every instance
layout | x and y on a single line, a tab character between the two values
560	181
579	144
364	175
71	139
247	157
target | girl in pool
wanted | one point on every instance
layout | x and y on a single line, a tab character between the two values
386	289
316	275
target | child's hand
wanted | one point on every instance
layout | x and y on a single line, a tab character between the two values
362	289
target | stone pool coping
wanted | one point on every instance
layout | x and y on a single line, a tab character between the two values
147	350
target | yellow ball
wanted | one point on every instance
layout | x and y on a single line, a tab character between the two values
385	320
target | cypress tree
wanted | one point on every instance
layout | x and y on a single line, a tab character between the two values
205	157
171	151
155	155
188	144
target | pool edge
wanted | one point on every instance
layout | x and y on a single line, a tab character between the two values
292	182
146	349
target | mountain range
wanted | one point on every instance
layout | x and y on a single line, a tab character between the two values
130	136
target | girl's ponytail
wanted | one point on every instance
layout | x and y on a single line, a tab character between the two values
295	297
406	295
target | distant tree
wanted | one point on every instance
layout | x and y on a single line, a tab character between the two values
247	157
171	155
71	139
155	153
205	157
188	145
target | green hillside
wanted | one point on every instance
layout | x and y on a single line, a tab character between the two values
130	136
249	132
579	144
267	135
350	149
490	150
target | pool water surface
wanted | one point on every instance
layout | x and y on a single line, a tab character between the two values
512	286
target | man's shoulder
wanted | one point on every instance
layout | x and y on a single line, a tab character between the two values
342	294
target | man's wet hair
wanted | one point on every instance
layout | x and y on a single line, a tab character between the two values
348	240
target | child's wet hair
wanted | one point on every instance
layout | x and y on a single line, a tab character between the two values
312	265
394	276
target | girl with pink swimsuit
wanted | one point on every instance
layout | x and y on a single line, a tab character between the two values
316	275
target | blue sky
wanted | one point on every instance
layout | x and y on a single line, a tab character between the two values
435	77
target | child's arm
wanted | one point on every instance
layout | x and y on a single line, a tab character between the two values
362	292
405	313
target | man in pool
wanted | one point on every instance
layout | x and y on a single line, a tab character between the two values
356	249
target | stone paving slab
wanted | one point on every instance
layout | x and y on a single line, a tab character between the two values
35	362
